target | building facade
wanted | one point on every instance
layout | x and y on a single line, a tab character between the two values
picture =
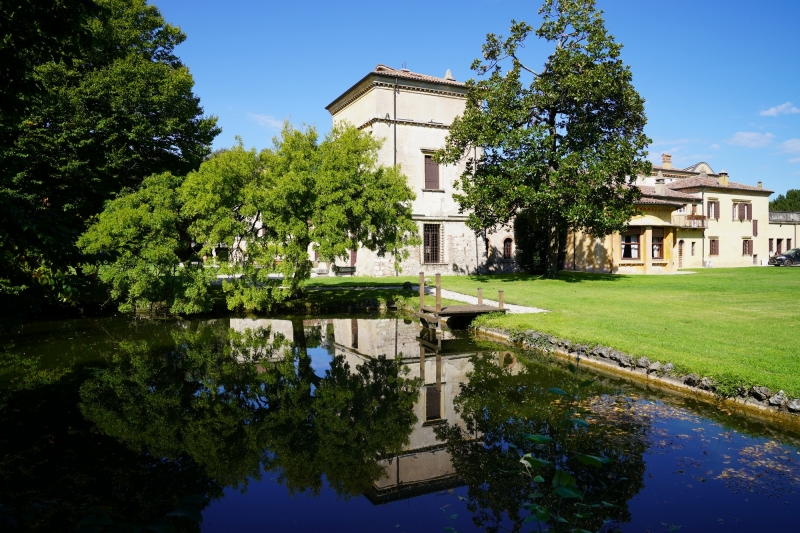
412	114
690	218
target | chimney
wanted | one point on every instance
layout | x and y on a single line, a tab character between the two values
449	75
723	178
661	188
760	185
666	160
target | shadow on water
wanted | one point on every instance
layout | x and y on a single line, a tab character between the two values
133	418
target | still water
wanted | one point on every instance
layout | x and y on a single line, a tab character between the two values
360	423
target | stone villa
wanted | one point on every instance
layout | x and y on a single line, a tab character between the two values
690	218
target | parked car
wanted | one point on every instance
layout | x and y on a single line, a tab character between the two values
787	259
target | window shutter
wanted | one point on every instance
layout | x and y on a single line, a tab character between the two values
716	209
431	173
755	228
749	211
710	209
742	209
353	257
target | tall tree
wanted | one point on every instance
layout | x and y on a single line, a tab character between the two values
565	142
122	108
790	202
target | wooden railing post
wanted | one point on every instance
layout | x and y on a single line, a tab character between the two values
422	364
480	295
438	293
421	291
500	299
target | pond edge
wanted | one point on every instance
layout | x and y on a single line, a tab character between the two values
613	362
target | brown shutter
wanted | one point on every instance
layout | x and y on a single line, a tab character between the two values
431	173
433	403
755	228
742	209
716	209
353	257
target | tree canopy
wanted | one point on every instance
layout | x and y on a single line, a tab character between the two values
97	115
267	210
790	202
565	142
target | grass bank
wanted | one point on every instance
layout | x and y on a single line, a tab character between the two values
739	326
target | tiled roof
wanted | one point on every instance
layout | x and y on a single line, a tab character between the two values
658	201
407	74
707	181
649	190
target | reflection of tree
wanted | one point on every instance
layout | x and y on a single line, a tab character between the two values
235	402
54	463
501	407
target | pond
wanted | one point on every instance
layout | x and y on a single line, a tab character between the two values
359	423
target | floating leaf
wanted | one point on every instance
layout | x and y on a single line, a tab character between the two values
534	495
556	390
610	505
592	460
463	499
572	368
562	478
586	383
534	462
567	492
579	422
538	439
453	516
539	479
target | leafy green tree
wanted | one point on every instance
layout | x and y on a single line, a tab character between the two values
147	258
119	110
270	209
565	142
790	202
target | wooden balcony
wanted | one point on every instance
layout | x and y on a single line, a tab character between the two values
690	221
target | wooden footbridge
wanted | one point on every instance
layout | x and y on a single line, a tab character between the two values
432	316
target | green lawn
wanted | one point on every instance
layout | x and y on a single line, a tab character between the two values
736	325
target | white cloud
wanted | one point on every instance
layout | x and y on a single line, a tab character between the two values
714	146
267	121
751	139
795	160
792	146
783	109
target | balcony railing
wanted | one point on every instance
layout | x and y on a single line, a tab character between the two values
784	217
690	221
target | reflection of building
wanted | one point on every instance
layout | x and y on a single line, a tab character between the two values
442	365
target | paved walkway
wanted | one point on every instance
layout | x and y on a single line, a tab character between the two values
450	295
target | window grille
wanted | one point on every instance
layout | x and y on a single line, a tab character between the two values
432	243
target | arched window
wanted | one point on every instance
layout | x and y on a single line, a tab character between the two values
507	249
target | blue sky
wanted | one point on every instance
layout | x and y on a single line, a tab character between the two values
721	79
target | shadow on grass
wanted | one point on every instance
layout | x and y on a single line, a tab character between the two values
564	276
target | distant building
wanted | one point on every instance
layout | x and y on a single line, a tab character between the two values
412	113
691	218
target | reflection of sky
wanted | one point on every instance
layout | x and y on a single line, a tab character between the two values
320	360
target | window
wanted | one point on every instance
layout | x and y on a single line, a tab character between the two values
742	211
353	257
433	402
693	248
507	255
788	244
658	243
432	243
735	210
714	248
755	228
779	249
713	209
747	246
630	246
694	209
431	173
771	245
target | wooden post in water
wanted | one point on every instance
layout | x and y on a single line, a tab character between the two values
438	294
500	299
480	295
421	291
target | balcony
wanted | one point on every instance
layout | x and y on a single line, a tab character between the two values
690	221
784	217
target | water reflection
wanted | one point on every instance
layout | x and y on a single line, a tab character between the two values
134	417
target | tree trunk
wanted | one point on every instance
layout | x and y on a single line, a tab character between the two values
553	243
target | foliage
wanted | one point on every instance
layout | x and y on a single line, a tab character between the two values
531	240
96	120
566	145
538	459
146	255
790	202
270	209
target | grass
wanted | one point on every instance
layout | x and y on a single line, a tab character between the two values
739	326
